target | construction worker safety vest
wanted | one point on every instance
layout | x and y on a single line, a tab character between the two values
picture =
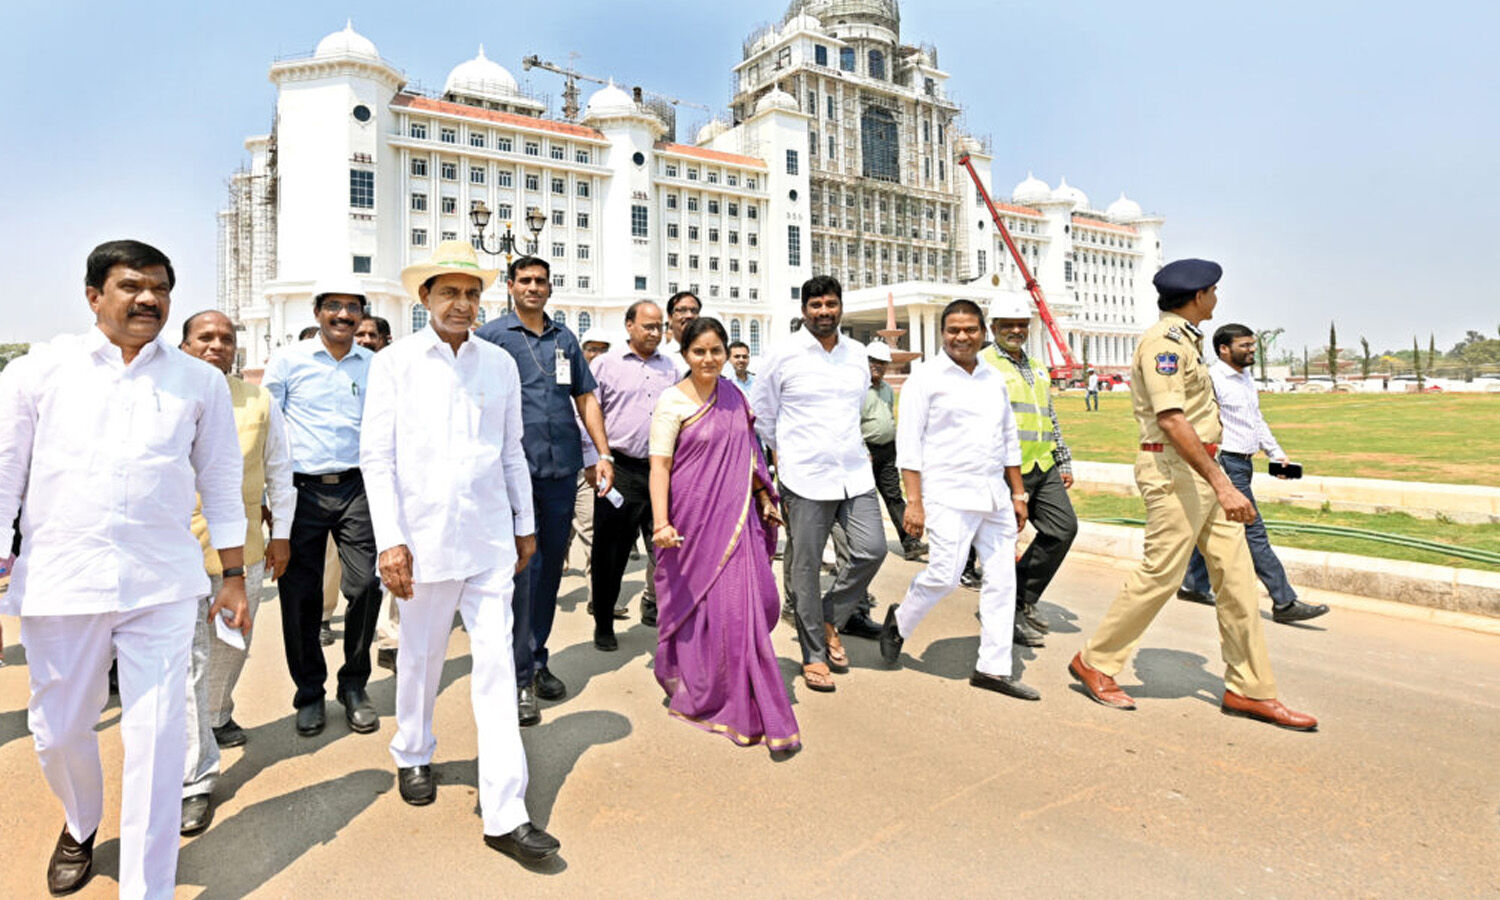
252	418
1029	404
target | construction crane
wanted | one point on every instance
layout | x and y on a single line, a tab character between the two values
1059	373
573	76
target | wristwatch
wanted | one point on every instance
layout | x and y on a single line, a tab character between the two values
1023	496
234	572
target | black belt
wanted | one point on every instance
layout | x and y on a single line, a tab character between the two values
629	462
300	480
1223	452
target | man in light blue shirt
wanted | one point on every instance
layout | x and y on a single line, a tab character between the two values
739	362
319	384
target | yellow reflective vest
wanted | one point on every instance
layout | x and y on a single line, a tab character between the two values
1029	403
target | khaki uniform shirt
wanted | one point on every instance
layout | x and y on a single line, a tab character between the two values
1168	373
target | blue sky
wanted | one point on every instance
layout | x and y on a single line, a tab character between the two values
1339	158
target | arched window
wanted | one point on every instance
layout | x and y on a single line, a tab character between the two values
877	64
754	337
482	317
418	318
734	330
584	322
561	318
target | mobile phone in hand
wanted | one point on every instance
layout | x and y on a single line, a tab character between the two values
1284	470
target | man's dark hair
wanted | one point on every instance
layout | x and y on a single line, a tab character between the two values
1174	300
1227	334
187	324
960	306
692	330
310	331
735	345
821	286
382	327
630	310
678	297
526	262
132	254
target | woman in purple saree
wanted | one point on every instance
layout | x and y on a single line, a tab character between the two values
715	531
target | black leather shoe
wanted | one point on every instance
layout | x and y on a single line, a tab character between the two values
527	843
311	718
1195	596
230	734
1297	611
417	785
325	634
549	686
606	640
197	812
71	864
914	550
890	637
971	580
1034	619
648	615
860	625
527	710
789	613
1010	686
1026	636
358	711
385	658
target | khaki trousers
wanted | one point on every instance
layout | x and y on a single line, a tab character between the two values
1182	511
333	576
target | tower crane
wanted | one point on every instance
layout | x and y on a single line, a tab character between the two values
573	76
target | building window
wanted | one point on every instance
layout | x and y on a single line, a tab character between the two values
560	218
504	145
448	135
713	177
812	103
418	317
559	186
671	229
734	293
692	173
753	239
732	179
846	59
692	205
450	236
833	147
926	131
583	282
419	202
749	184
754	337
671	287
832	108
671	170
793	245
583	251
693	261
533	182
418	130
582	156
419	167
449	171
929	87
713	207
583	189
361	265
713	290
734	324
476	174
480	316
751	211
583	220
558	152
755	293
640	282
503	212
713	264
692	232
533	148
713	235
941	134
877	64
559	249
638	221
791	161
584	322
361	189
754	267
734	264
671	201
476	139
982	268
505	178
559	280
734	208
419	237
734	237
672	260
881	144
820	56
560	317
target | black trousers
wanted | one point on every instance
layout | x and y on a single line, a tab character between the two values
888	484
341	510
615	531
1051	514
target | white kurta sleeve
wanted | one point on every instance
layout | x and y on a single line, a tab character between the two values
765	399
281	496
513	456
219	468
377	452
18	412
911	425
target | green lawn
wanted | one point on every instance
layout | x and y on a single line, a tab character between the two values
1483	537
1452	438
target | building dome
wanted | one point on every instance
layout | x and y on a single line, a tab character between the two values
802	22
347	42
1066	193
710	131
1123	209
1032	190
609	100
886	13
776	98
481	77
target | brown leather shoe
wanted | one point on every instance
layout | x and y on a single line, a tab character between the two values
1100	687
71	864
1267	711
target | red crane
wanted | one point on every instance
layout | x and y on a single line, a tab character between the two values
1060	373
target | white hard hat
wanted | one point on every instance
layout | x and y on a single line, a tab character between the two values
1012	306
594	335
877	350
339	284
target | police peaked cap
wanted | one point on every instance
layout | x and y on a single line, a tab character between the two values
1187	276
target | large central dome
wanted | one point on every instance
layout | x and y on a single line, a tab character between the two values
481	77
886	13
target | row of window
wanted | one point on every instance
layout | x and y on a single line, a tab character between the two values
711	176
504	143
503	178
731	207
674	230
734	294
674	260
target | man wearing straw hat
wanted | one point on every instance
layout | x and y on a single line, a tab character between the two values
450	497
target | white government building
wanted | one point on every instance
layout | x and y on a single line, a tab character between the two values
838	155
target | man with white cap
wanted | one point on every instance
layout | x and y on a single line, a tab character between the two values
319	384
450	496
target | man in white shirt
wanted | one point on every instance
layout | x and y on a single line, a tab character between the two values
807	400
962	492
1091	392
108	434
215	665
1245	434
682	308
442	421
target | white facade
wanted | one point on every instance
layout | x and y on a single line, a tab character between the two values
842	159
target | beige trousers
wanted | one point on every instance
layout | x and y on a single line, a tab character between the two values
1181	511
333	576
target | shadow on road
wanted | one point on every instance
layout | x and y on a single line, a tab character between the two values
13	726
1171	674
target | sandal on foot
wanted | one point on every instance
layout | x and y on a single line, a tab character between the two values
838	658
817	677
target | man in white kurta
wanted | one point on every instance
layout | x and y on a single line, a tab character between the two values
960	460
450	500
109	434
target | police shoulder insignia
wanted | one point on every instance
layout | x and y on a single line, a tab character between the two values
1174	334
1166	363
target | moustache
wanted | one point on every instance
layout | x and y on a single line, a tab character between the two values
138	310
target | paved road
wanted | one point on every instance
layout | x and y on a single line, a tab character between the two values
911	784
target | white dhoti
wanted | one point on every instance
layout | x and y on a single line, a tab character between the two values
950	532
68	658
213	670
426	621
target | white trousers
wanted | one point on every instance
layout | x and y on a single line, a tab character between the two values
68	658
388	628
949	534
426	621
213	671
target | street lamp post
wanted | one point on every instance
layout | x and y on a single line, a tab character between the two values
505	243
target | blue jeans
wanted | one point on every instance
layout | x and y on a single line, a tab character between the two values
1091	400
1267	567
534	603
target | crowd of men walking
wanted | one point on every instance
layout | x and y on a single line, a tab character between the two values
453	469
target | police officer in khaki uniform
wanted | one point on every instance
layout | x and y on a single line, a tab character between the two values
1189	501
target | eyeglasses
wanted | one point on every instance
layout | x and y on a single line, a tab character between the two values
352	307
